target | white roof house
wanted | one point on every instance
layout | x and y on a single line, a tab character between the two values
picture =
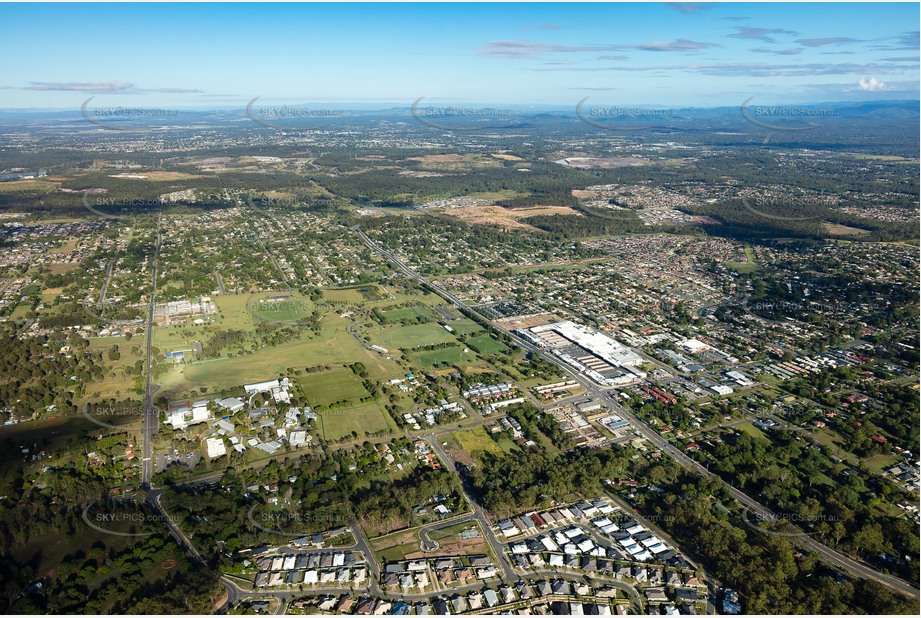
216	448
177	419
298	438
200	414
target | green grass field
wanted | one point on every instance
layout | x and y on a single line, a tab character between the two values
414	335
336	424
751	430
334	346
465	326
476	442
343	295
878	463
322	389
750	265
486	345
288	310
21	311
454	355
28	186
392	316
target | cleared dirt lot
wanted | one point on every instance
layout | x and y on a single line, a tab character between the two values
505	217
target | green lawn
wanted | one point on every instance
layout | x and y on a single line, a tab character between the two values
289	309
414	335
322	389
335	424
878	463
486	345
343	295
406	313
476	442
751	430
451	531
234	310
334	346
748	266
465	326
454	355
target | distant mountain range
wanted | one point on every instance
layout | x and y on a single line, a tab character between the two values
511	116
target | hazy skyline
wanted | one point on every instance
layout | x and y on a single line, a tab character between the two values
674	54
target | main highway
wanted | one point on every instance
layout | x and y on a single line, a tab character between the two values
592	389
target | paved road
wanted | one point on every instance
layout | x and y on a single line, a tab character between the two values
258	239
286	596
428	543
153	499
105	286
362	544
832	557
353	325
829	555
497	547
151	416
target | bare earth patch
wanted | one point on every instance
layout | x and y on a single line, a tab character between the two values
507	218
527	321
843	230
458	548
442	158
155	176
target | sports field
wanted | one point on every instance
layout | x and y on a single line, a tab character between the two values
484	344
454	355
279	308
391	316
465	326
334	346
407	337
335	424
343	295
322	389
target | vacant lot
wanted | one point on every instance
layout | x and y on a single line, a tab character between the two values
31	186
334	346
469	445
835	229
394	547
506	217
157	176
451	544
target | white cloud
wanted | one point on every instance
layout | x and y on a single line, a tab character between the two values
872	84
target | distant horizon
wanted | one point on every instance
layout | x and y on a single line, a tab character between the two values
675	55
517	107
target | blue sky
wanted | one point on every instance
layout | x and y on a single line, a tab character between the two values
666	54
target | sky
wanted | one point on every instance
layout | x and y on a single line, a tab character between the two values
379	55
